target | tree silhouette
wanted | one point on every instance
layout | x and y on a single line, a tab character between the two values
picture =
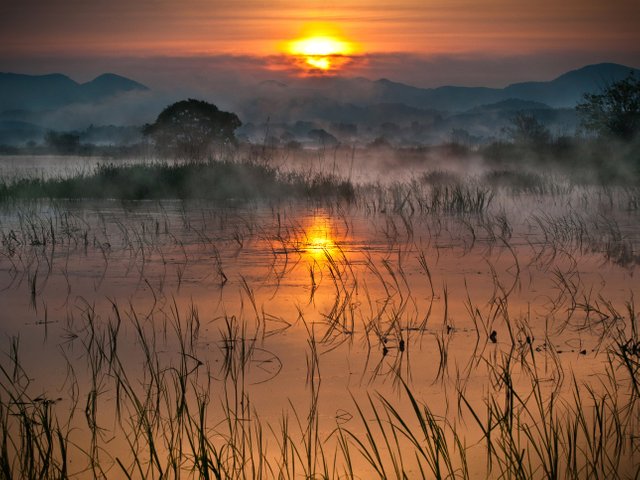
62	142
527	131
188	129
614	112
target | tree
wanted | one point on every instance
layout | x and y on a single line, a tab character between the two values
615	111
526	130
188	129
322	137
62	142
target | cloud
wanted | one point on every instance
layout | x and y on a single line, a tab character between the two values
314	66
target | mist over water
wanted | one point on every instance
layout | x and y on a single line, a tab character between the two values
285	308
353	284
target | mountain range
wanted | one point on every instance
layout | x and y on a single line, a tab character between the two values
562	92
45	92
29	105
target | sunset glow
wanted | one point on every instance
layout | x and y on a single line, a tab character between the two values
321	53
493	42
319	241
319	47
324	239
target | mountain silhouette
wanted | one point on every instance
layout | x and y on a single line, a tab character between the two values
567	89
562	92
31	103
46	92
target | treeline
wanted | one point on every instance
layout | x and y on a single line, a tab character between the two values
106	140
608	140
81	149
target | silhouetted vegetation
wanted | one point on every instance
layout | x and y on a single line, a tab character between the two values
195	130
215	180
189	128
614	112
63	142
322	137
527	131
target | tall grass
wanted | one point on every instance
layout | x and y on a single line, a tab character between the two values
213	180
161	418
149	394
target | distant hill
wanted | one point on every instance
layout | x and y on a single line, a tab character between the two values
317	107
331	96
567	89
47	92
427	114
106	85
562	92
16	132
511	105
344	107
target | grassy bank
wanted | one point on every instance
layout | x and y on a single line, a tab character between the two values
215	180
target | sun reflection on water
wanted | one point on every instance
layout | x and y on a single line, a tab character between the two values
320	239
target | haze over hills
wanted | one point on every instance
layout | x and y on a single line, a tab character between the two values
379	107
562	92
43	92
29	105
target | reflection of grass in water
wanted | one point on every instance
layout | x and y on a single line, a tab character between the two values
169	417
526	429
168	412
216	180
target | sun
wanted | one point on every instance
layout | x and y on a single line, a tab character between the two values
319	47
321	53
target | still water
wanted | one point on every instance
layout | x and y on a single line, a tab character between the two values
290	339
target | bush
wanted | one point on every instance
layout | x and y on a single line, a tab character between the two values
614	112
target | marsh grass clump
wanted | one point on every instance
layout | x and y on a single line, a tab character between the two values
521	181
459	199
408	199
441	191
440	177
173	384
213	180
320	185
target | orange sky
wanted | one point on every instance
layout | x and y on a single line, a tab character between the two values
186	27
589	30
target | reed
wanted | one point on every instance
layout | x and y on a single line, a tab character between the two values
451	373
